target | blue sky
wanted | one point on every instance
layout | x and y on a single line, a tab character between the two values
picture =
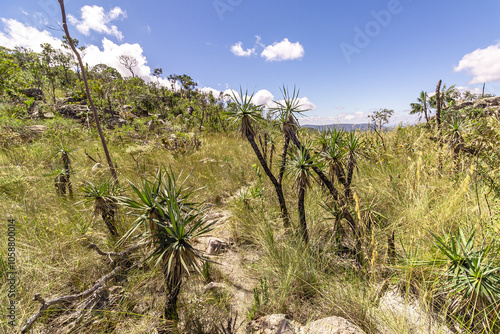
348	58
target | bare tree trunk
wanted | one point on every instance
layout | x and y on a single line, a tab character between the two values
171	298
283	158
87	90
277	185
425	112
438	104
302	214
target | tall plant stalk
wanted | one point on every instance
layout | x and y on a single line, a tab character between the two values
87	90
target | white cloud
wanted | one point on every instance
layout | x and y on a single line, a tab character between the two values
482	64
18	34
263	97
94	18
207	90
284	50
237	50
109	56
306	104
473	90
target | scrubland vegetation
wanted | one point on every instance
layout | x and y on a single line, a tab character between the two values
333	220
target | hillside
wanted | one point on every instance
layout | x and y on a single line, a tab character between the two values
210	228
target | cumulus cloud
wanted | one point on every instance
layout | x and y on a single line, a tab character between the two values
278	51
207	90
482	64
263	97
18	34
284	50
96	19
110	53
237	50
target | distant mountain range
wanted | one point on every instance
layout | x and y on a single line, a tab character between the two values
347	127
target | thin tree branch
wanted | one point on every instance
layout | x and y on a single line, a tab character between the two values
116	254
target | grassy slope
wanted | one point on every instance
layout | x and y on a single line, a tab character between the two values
402	184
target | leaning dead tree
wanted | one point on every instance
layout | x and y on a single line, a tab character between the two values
87	90
94	290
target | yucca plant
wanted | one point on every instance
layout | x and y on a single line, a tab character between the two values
63	181
332	152
105	204
151	196
244	112
299	169
286	111
172	223
471	283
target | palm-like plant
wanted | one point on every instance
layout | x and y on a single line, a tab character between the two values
299	169
102	195
471	281
63	179
172	223
286	111
421	106
333	152
245	113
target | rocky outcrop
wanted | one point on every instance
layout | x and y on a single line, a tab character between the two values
489	104
273	324
405	313
216	246
74	111
463	104
37	128
331	325
35	93
280	324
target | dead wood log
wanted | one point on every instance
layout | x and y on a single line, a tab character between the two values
100	284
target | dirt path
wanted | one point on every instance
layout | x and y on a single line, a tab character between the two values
233	263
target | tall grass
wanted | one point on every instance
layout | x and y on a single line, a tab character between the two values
409	189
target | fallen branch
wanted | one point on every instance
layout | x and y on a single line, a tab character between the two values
116	254
88	156
101	283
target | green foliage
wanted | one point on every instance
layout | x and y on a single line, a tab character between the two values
103	197
243	112
381	117
10	72
260	299
470	286
174	223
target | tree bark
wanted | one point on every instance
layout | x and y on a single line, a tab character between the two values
425	112
171	300
302	214
438	104
277	186
283	159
